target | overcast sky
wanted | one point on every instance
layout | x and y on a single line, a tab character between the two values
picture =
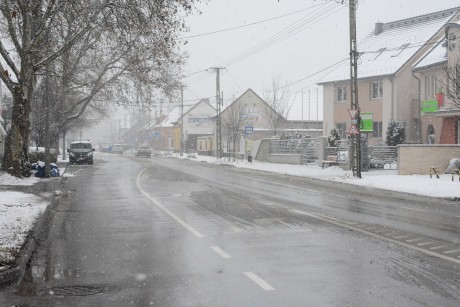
311	37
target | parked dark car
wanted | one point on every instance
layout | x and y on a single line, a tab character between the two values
143	151
80	152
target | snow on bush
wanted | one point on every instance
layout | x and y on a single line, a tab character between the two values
333	137
396	133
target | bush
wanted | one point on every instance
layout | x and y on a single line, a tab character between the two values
35	156
396	133
333	138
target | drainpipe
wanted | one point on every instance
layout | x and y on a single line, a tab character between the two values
392	117
419	95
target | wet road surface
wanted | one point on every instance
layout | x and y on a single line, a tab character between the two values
168	232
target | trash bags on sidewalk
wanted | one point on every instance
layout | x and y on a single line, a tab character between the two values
39	169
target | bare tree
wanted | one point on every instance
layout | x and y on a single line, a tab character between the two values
452	86
233	124
138	37
278	107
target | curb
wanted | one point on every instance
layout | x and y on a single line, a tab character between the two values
31	243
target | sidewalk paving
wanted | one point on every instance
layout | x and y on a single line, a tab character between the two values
19	210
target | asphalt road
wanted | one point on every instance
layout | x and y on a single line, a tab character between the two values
168	232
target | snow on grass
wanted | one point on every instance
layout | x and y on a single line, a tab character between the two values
423	185
18	212
7	179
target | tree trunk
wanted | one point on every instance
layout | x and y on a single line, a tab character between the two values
16	157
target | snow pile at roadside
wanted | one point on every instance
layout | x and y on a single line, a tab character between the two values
381	179
18	212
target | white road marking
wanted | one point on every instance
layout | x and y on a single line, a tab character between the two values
452	251
413	209
424	243
401	237
370	228
438	247
422	250
159	205
176	195
259	281
413	240
221	252
236	229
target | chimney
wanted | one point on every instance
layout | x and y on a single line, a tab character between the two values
378	28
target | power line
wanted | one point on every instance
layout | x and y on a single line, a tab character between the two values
289	31
292	29
250	24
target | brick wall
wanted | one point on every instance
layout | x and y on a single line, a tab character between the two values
448	131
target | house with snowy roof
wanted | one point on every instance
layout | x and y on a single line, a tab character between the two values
388	86
438	73
196	121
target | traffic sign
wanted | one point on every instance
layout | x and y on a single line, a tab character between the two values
353	113
353	129
248	130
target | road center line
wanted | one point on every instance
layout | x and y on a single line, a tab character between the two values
159	205
221	252
259	281
428	252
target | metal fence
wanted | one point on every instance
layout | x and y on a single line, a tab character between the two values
375	157
379	156
307	147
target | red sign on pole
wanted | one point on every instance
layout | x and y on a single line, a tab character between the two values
353	129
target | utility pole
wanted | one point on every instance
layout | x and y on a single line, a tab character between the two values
218	119
303	133
356	135
182	120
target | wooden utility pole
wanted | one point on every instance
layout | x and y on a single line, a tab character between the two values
182	120
355	133
218	119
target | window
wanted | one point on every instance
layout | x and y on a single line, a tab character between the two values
431	86
341	93
377	90
342	130
377	127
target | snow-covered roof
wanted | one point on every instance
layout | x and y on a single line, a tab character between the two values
436	55
390	45
81	141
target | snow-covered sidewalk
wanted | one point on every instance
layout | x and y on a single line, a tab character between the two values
18	213
423	185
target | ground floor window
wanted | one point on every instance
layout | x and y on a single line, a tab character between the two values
377	129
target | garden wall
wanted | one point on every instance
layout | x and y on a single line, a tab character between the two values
417	159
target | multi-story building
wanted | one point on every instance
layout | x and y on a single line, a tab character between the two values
388	87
